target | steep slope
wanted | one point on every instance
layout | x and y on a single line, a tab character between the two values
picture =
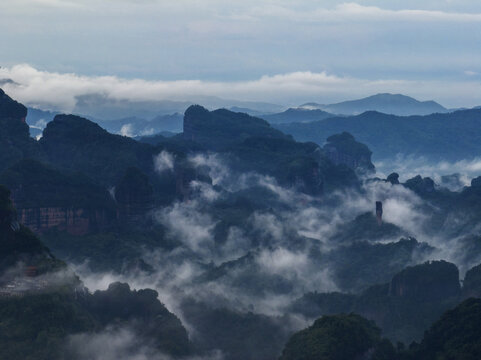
18	243
457	335
256	146
42	304
77	144
344	149
220	129
334	338
15	140
64	324
403	308
46	198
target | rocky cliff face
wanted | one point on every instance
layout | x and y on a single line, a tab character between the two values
46	198
18	243
431	281
420	185
343	149
73	221
15	140
472	283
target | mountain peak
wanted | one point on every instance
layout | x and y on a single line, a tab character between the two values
9	108
221	128
72	126
395	104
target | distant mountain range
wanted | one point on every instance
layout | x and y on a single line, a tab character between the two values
129	126
101	107
142	118
395	104
297	115
311	121
233	188
400	105
449	136
134	126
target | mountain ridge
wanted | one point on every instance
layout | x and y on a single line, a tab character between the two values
448	136
396	104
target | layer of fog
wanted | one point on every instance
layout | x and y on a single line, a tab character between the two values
276	243
302	216
408	167
114	343
15	279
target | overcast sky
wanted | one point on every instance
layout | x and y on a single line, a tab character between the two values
279	51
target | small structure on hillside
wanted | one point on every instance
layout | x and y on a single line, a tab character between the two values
379	212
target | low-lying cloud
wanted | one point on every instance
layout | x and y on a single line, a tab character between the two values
60	91
164	162
122	343
272	256
408	167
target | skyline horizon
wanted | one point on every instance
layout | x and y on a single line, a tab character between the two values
273	51
55	91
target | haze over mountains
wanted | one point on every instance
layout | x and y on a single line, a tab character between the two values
244	233
436	136
395	104
240	180
449	136
149	117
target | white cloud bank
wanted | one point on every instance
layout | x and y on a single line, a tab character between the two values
59	91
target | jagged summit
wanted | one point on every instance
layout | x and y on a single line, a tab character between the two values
15	140
344	149
10	108
222	128
72	126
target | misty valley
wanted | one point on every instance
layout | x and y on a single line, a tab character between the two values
178	231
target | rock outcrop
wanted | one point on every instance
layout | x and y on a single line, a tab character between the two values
476	182
420	185
472	283
393	178
15	140
18	243
343	149
220	129
145	314
77	144
46	198
10	109
74	221
431	281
